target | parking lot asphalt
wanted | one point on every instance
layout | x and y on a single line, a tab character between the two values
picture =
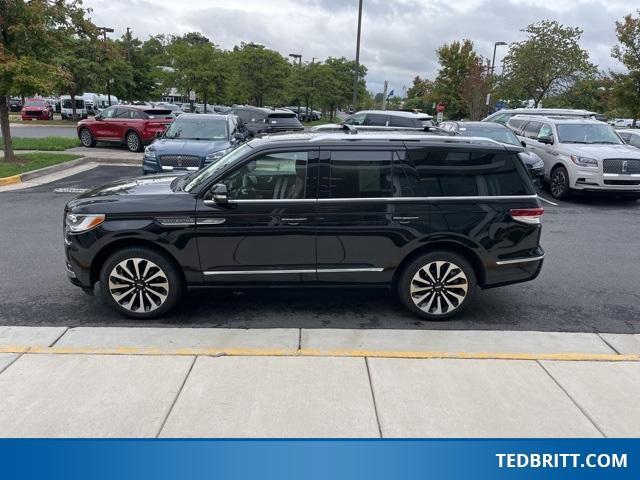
589	282
40	131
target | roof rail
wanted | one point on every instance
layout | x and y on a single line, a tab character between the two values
364	136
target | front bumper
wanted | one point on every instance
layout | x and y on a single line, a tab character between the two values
537	177
592	180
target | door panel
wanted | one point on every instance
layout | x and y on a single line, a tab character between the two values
266	231
355	213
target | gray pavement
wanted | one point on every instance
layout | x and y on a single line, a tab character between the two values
265	385
39	131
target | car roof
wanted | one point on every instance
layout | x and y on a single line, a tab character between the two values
261	109
545	111
210	116
561	120
628	130
396	113
485	125
374	138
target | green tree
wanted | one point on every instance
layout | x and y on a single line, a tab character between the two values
456	60
627	86
548	62
31	35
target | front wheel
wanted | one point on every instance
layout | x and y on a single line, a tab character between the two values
437	285
133	142
87	138
141	283
559	183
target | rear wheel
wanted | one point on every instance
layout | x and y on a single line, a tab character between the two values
87	138
438	285
133	142
559	183
140	283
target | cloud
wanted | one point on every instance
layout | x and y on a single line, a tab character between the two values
399	37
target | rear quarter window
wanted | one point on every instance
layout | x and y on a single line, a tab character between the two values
442	173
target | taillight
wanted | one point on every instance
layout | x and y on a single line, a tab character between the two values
527	215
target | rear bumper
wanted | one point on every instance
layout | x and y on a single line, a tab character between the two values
507	271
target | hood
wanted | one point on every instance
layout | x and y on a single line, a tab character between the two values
129	190
602	151
201	148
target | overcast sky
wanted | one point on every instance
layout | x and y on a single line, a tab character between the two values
398	36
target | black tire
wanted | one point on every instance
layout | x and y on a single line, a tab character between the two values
559	183
133	141
630	197
437	302
86	138
139	272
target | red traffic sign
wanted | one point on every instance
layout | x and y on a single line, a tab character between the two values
440	107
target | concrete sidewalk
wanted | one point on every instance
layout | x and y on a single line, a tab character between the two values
146	382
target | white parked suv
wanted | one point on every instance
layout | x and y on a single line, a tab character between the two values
581	154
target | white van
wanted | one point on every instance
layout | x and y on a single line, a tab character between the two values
103	101
91	101
66	107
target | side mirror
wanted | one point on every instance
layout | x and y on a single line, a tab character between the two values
98	117
159	134
238	136
219	193
523	143
548	139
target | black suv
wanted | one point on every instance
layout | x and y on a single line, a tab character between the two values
433	217
267	120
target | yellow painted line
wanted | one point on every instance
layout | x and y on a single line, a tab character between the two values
251	352
10	180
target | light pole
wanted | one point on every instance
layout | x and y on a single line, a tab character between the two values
355	76
104	31
493	66
299	58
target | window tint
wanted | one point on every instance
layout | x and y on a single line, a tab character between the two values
502	118
532	129
272	176
625	136
397	121
376	120
437	173
545	131
357	119
122	113
244	115
108	112
635	141
515	124
138	114
360	174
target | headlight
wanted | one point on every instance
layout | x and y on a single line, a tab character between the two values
149	154
538	164
584	161
83	223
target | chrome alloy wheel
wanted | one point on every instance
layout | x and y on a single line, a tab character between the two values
558	183
439	287
85	136
138	285
133	142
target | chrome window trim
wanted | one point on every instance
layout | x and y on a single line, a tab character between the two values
519	260
302	270
385	199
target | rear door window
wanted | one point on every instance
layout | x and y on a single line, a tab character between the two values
360	174
532	129
122	113
457	173
376	120
398	121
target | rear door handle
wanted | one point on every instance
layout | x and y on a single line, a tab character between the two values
294	221
405	220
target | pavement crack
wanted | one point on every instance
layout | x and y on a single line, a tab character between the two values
3	369
573	400
66	329
607	343
373	397
175	400
299	339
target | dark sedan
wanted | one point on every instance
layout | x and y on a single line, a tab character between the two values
194	141
502	134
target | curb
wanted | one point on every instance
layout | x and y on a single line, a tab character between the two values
26	176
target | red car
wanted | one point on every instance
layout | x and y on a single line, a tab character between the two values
133	125
36	109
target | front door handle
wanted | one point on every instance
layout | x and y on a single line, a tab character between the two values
405	220
294	221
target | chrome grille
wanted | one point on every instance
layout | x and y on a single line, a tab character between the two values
621	165
184	161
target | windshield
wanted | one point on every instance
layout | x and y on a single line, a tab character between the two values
502	135
35	103
195	179
197	129
589	133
